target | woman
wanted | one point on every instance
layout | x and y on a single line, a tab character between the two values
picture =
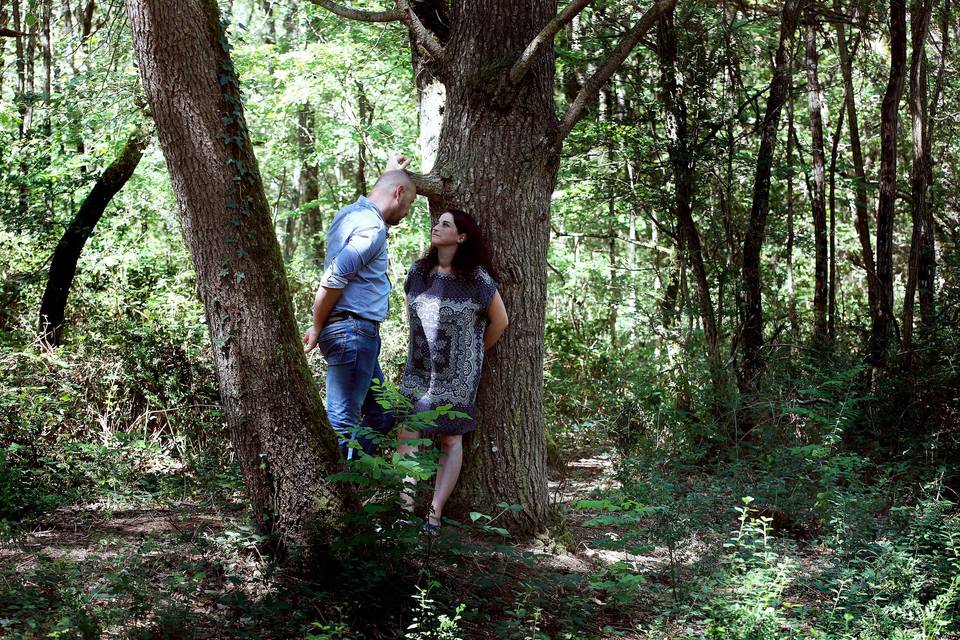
456	314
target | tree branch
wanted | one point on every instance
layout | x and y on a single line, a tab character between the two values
10	33
544	38
428	185
420	33
591	88
396	15
403	13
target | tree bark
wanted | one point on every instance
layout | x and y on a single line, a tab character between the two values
63	264
882	330
832	283
790	283
505	460
818	182
927	271
4	19
922	257
752	333
283	442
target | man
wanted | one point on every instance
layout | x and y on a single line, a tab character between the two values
352	301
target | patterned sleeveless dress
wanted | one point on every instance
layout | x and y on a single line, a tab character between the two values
448	317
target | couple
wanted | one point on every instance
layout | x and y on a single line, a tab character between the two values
455	314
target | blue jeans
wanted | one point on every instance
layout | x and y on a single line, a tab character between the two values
351	348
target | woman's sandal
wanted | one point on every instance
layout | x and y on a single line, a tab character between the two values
431	529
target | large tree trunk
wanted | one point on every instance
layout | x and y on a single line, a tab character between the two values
494	164
881	334
63	265
861	214
922	240
818	193
281	437
752	334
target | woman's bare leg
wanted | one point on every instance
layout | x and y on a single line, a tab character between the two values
451	459
407	493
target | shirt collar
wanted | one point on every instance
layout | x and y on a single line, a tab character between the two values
365	202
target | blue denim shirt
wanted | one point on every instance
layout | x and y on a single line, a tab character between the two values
357	260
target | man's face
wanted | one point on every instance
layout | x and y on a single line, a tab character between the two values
402	200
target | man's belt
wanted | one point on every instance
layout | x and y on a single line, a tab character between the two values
344	315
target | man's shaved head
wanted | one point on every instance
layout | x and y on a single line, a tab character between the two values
390	180
394	193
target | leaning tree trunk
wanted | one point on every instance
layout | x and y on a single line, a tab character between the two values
861	215
882	330
284	445
818	193
63	265
752	334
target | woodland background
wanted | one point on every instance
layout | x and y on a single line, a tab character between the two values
727	403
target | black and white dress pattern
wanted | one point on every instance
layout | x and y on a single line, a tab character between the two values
448	317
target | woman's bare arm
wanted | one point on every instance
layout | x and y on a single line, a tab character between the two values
497	321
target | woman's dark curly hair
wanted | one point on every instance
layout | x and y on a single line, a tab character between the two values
471	253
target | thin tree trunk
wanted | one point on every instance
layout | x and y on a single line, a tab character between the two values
860	202
86	22
613	290
834	154
817	194
922	240
682	163
752	334
67	12
927	270
63	265
309	188
283	442
882	331
4	20
30	91
365	113
23	127
790	283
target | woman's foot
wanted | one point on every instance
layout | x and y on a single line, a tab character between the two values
431	529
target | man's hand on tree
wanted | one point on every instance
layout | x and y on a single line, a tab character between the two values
397	162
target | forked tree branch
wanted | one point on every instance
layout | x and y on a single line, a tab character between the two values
403	13
10	33
591	88
545	38
420	33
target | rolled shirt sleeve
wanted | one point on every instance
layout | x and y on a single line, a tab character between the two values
362	246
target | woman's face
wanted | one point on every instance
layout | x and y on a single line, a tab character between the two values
444	233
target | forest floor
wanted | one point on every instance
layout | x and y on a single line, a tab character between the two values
190	565
196	569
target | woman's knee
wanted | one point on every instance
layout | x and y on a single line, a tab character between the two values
450	443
